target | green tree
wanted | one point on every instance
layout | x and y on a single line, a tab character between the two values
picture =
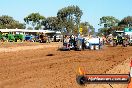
109	24
51	23
109	21
126	22
34	19
103	31
69	17
10	23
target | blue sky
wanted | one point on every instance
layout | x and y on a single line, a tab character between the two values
92	9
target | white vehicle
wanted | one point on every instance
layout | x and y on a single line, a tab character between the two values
93	43
57	38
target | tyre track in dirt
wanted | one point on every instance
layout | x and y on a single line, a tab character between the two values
33	69
17	49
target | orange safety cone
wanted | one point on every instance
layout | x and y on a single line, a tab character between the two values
130	84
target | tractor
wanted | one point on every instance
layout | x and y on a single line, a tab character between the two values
81	43
71	42
43	38
1	37
10	37
19	37
119	38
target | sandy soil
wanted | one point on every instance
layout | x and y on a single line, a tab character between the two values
46	67
122	68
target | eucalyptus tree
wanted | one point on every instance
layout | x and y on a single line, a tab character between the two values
69	17
34	19
109	24
108	21
51	23
126	21
9	22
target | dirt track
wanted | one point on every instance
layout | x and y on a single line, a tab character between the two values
122	68
27	68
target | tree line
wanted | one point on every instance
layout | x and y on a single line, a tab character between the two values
7	22
110	24
66	21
